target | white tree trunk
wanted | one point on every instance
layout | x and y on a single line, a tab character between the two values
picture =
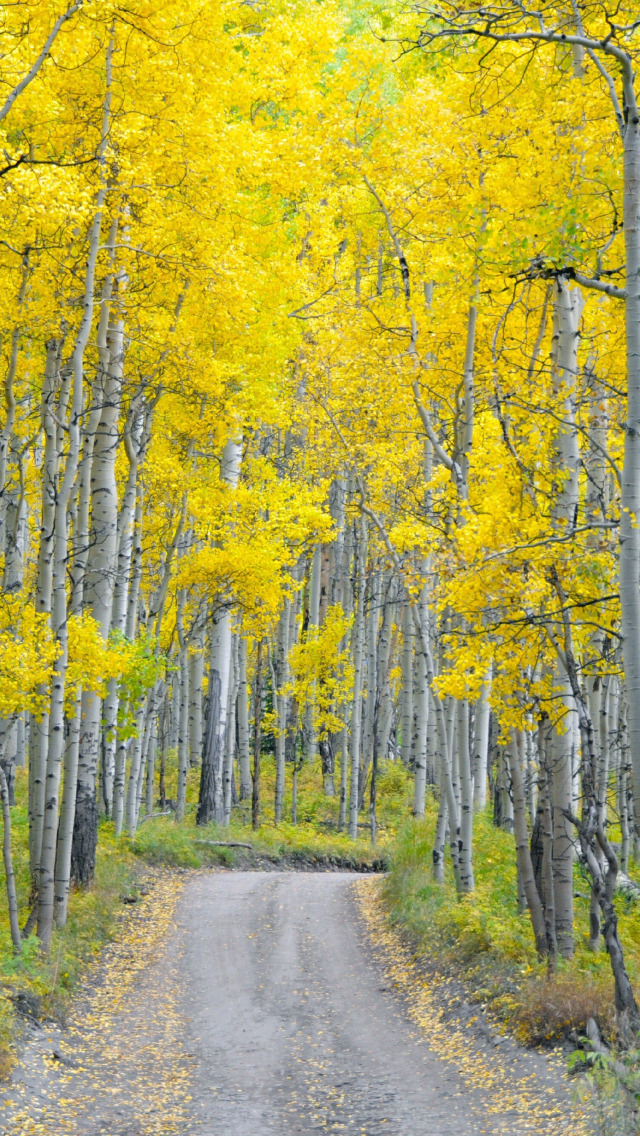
481	754
406	721
356	715
196	679
183	713
630	504
243	722
465	770
67	815
282	677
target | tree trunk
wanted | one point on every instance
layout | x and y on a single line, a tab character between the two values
630	503
67	814
257	740
12	898
356	715
243	723
211	797
525	867
280	699
481	748
466	799
406	720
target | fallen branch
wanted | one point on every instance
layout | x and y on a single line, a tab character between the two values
153	816
223	843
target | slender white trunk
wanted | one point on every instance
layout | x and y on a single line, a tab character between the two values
230	742
196	679
384	708
183	713
465	770
148	743
315	573
525	868
441	830
136	570
481	749
151	766
137	743
119	781
630	504
406	721
67	815
109	742
44	584
6	434
243	722
12	898
422	725
135	438
282	677
371	684
356	715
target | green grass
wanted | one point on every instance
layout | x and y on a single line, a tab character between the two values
315	839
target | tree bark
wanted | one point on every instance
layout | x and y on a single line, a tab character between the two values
356	715
257	739
10	880
525	866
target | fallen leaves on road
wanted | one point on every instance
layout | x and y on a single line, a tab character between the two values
516	1102
121	1055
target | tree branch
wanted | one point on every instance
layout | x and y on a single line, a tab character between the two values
30	76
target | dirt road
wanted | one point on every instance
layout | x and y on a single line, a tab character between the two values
262	1013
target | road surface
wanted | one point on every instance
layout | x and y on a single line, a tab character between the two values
262	1013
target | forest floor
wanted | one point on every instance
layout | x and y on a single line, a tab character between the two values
275	1004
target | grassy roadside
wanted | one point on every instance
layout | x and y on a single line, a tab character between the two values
38	987
483	942
482	938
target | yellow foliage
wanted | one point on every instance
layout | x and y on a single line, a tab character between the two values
27	656
322	671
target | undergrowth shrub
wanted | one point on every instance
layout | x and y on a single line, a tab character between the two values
558	1006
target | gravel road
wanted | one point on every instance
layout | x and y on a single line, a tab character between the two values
269	1016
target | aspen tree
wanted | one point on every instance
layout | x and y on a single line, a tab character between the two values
358	661
211	799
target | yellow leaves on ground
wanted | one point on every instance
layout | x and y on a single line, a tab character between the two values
532	1106
114	1054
